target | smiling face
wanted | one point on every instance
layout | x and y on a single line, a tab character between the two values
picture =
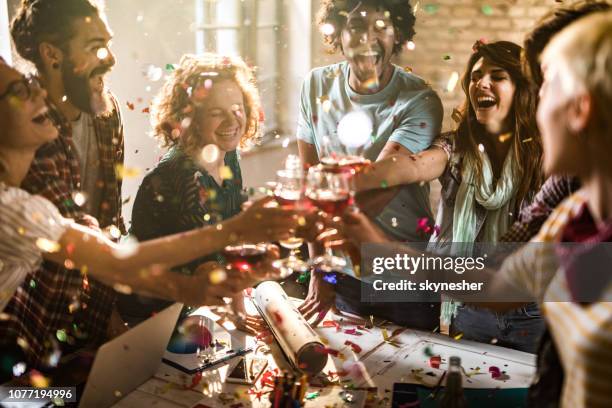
367	42
83	69
221	117
25	121
491	92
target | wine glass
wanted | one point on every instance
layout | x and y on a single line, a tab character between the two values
244	257
289	193
337	158
331	193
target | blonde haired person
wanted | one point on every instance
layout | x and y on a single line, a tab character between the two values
208	107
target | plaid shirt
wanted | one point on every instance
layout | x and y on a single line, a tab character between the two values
53	299
532	217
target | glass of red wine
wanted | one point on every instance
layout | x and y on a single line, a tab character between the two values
289	193
244	257
331	193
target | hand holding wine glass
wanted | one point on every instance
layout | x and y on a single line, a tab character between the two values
261	222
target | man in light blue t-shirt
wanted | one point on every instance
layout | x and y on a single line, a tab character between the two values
406	113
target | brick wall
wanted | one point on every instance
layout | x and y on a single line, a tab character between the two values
446	31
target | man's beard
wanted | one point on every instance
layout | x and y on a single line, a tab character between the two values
80	93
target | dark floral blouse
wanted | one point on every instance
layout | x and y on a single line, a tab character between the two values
178	196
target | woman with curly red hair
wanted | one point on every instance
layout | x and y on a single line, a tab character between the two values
207	108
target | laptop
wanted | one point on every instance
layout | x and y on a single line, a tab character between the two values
124	363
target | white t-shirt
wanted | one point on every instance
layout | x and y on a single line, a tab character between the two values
29	225
406	111
86	144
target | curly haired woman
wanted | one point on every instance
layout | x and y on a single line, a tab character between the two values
207	109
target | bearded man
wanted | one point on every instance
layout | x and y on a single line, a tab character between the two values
68	43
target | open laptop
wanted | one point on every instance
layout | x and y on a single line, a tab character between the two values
124	363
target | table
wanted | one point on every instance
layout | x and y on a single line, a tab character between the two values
366	358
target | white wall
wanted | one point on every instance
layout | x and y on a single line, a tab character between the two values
5	43
158	32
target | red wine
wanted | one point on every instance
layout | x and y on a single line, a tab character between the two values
245	256
347	164
288	198
331	202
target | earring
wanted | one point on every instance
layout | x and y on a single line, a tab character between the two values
55	65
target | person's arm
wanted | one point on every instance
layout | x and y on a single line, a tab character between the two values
416	125
510	281
401	167
308	153
106	262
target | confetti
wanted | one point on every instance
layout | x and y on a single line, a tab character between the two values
46	245
528	140
210	153
355	129
130	105
487	10
170	67
226	173
19	369
446	57
452	82
38	380
410	45
355	347
61	335
312	395
458	336
331	323
327	350
127	248
153	73
384	184
431	8
434	361
126	172
217	276
505	137
303	277
330	278
102	53
328	29
495	372
79	198
123	289
353	332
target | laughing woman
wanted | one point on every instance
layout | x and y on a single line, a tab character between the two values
206	110
489	168
493	170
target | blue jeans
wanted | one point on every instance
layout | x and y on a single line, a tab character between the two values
519	329
415	315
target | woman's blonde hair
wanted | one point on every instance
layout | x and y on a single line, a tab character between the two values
175	106
582	53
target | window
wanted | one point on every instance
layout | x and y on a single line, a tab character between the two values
251	29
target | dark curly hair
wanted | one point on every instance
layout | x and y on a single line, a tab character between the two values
549	25
526	140
38	21
335	12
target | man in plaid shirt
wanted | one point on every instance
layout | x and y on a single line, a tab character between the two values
68	42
